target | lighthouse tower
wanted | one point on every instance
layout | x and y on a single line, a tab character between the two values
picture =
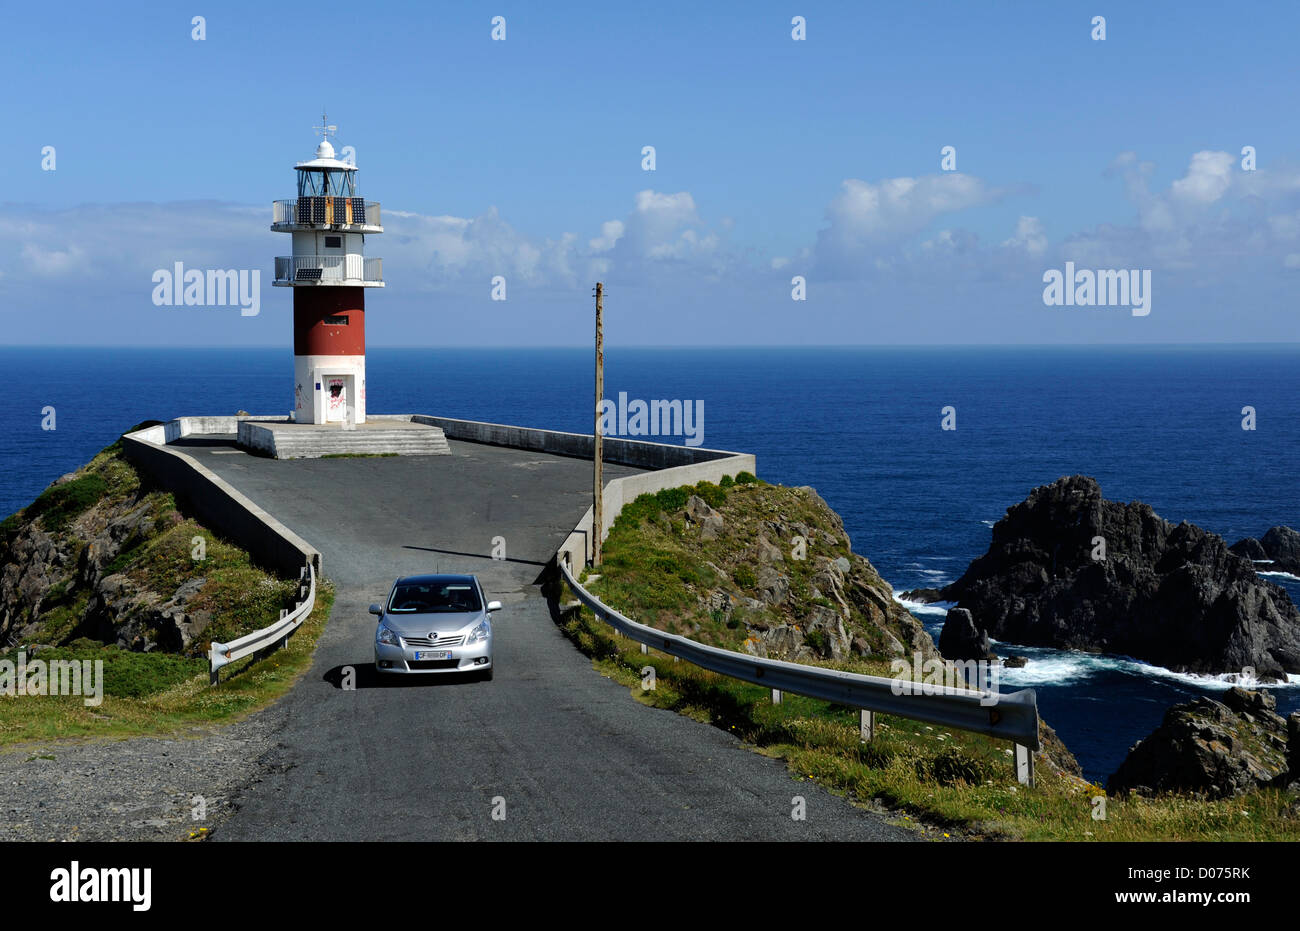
329	273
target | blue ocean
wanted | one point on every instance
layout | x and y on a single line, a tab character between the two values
861	425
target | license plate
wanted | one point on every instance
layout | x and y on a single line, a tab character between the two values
433	654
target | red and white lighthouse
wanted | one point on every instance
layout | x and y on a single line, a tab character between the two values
329	273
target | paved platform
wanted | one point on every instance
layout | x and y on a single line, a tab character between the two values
282	439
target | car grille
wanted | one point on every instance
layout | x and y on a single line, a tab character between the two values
452	640
433	663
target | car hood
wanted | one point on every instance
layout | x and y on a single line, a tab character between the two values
421	625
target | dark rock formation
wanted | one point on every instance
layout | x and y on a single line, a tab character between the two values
961	639
1293	745
1173	595
922	595
1213	748
1278	550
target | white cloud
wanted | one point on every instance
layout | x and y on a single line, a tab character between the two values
864	219
611	231
49	262
1208	178
1029	236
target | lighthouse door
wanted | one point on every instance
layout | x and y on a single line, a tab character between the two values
336	398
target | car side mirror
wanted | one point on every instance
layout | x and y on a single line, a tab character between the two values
494	606
376	609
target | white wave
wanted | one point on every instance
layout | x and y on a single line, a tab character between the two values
988	523
1273	574
937	609
1062	667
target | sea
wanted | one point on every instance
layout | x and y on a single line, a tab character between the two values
861	425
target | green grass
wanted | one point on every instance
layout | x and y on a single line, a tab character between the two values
161	694
59	505
127	674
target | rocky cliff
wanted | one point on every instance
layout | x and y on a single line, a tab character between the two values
1278	550
1215	749
765	569
1069	569
101	556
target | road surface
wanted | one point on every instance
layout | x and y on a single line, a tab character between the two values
562	752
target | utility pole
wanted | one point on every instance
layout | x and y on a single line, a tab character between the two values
598	453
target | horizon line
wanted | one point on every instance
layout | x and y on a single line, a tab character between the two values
838	347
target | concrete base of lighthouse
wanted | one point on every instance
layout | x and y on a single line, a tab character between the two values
393	435
329	390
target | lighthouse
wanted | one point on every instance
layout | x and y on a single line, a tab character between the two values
329	272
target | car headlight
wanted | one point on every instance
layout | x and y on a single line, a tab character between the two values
384	635
480	632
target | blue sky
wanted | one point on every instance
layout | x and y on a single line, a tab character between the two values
775	158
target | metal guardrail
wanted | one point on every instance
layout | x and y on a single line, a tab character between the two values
1012	717
223	654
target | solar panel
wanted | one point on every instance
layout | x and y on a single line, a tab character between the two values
359	210
308	274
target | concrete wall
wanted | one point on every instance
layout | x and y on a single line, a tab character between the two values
212	501
637	453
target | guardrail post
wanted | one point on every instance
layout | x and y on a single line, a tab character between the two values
644	648
776	696
1024	766
866	725
214	676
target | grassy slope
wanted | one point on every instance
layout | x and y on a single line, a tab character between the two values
154	692
947	780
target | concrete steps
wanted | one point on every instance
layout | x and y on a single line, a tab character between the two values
306	441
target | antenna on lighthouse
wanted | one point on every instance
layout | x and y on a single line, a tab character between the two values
326	127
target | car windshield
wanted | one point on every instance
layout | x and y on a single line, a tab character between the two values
434	597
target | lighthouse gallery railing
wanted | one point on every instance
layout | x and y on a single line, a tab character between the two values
304	269
326	211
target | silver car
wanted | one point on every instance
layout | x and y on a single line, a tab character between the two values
435	623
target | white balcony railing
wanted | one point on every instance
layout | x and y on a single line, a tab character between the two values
329	269
341	212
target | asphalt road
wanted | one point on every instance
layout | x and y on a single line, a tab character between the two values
562	752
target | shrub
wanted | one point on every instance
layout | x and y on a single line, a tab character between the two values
953	765
711	494
818	641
